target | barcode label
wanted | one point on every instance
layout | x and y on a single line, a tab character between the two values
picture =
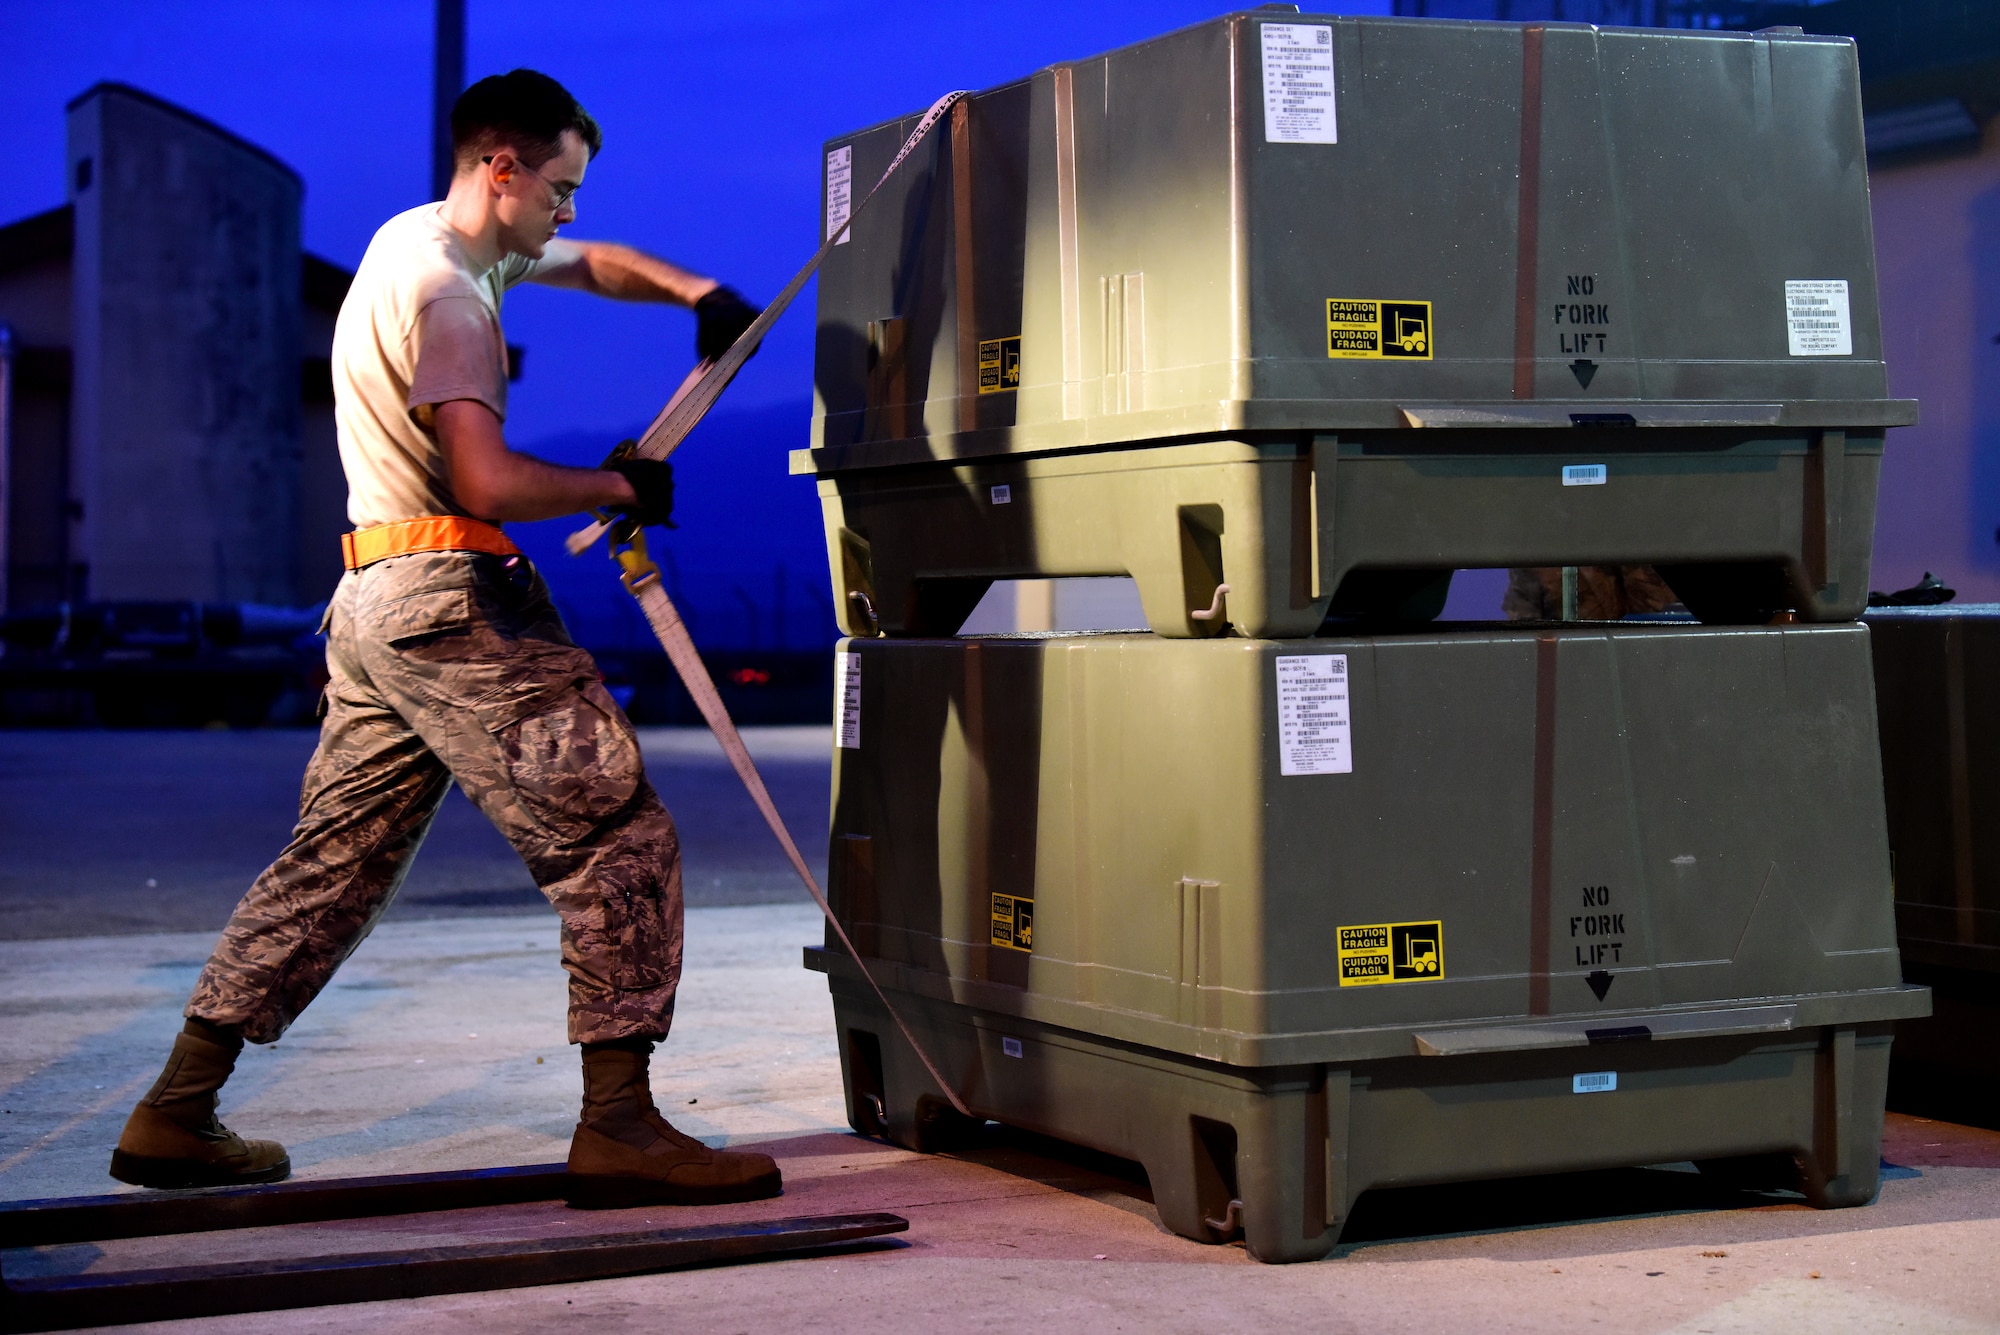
1298	84
847	697
1313	722
1594	1082
839	191
1584	475
1816	318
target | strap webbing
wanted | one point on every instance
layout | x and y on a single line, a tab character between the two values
643	579
704	384
690	403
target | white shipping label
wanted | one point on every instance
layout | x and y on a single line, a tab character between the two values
1816	318
1313	720
1584	475
1594	1082
847	691
1298	84
839	191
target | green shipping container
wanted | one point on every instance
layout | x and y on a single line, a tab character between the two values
1938	669
1287	921
1324	308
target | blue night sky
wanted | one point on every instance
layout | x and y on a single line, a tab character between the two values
713	119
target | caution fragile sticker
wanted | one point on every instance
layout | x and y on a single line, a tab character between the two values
1391	952
1000	365
1378	329
1013	922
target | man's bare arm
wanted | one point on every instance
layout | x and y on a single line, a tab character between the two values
607	269
499	485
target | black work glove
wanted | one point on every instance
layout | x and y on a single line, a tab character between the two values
653	482
721	316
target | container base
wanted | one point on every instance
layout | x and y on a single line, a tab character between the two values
1278	1156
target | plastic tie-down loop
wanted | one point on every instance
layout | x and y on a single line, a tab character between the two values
867	607
1214	606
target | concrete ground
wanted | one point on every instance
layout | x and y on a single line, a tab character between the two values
107	833
440	1045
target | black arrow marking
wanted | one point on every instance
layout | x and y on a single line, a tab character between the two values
1583	371
1600	982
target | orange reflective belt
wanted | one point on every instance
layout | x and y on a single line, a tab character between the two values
433	533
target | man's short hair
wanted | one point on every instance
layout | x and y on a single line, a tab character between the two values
525	111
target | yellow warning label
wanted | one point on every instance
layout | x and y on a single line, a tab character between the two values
1378	329
1391	952
1000	365
1013	922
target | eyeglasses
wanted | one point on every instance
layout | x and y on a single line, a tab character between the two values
562	196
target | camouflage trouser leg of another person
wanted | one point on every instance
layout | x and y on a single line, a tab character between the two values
446	666
1603	593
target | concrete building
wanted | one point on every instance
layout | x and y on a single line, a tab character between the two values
169	425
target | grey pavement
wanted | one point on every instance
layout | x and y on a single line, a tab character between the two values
441	1046
111	832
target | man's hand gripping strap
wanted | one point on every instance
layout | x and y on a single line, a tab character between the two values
704	385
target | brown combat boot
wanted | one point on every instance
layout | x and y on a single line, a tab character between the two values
625	1153
173	1138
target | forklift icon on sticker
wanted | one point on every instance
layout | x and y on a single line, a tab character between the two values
1406	329
1013	925
1416	951
1000	365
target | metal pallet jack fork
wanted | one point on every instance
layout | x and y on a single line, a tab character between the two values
67	1302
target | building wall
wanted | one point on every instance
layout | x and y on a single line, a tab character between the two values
35	304
38	567
1937	247
322	482
187	340
35	301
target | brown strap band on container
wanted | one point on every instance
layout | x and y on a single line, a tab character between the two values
1529	213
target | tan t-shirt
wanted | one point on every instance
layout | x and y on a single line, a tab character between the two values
420	326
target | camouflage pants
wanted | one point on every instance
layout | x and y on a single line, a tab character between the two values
455	666
1603	593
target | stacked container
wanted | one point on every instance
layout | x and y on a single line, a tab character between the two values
1939	717
1288	317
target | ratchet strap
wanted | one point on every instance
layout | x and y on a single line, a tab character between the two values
704	384
690	403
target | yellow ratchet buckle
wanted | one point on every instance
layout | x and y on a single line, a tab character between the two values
628	549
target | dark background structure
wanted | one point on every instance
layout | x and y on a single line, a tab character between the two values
167	451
